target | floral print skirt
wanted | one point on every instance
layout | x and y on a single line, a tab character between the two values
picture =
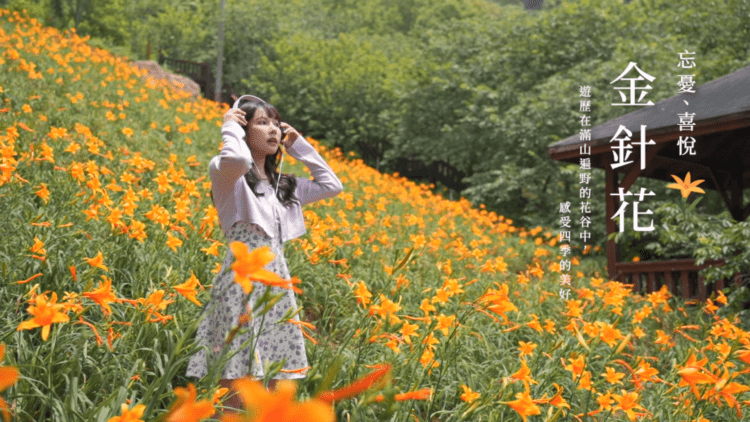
274	340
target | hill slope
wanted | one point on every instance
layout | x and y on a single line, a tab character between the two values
104	197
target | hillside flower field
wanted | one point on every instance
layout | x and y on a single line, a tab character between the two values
415	308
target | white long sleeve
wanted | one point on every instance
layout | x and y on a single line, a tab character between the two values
235	201
325	184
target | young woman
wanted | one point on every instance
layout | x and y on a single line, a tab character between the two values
260	207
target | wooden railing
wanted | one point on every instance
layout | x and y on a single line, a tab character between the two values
436	171
199	72
679	275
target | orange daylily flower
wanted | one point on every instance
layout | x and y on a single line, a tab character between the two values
129	415
278	406
218	394
585	381
574	308
627	402
557	400
609	334
103	295
357	386
29	279
427	307
744	355
24	127
576	366
612	376
605	401
43	192
636	381
524	374
38	247
187	288
524	405
721	298
97	261
302	370
727	390
423	394
386	308
186	409
211	250
430	341
445	323
468	395
393	343
362	294
45	314
408	330
154	304
99	340
534	323
441	296
8	376
549	326
498	301
248	266
645	372
526	348
173	242
537	271
685	186
693	375
57	132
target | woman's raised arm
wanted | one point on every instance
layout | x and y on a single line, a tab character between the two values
235	159
324	185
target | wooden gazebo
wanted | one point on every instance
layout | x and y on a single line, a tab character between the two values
722	147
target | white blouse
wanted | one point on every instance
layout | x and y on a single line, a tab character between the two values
235	201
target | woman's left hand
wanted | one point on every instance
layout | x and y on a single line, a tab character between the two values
290	135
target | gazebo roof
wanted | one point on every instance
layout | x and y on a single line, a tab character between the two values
721	132
722	147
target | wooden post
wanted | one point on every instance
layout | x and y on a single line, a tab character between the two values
685	284
207	80
651	286
636	282
669	282
702	288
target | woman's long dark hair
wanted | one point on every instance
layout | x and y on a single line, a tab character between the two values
286	182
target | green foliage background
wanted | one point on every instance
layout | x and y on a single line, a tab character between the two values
484	86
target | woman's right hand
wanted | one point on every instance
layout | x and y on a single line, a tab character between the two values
236	115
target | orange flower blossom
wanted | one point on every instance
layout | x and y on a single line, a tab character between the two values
45	314
8	377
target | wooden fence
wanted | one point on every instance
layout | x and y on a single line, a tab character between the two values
679	275
201	73
437	171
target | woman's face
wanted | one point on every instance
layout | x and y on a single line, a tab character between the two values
263	134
